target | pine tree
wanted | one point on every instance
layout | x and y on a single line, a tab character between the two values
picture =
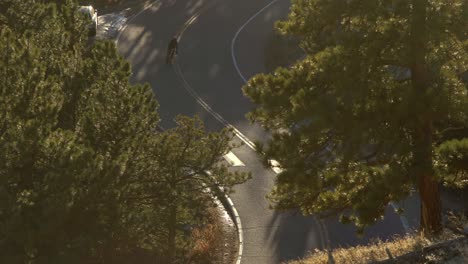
453	162
360	116
188	164
73	131
84	175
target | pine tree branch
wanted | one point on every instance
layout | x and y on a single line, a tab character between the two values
451	129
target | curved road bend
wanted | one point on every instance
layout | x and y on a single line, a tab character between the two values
206	65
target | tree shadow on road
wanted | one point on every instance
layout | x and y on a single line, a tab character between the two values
294	235
144	42
304	234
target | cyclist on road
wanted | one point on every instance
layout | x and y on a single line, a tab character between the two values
172	50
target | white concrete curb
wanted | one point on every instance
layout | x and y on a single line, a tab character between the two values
232	211
238	223
231	208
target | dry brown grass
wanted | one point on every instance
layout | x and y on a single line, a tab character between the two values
365	254
206	241
377	251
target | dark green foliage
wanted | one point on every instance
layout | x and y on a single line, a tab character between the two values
84	177
453	161
188	162
350	130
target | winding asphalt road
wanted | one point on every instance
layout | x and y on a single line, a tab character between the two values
205	81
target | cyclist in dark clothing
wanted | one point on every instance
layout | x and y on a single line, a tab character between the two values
172	49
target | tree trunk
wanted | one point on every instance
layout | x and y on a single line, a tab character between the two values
431	221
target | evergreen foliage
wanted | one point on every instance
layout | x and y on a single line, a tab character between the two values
357	121
84	176
453	162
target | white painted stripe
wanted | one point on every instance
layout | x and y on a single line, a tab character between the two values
277	169
325	237
233	41
275	166
188	88
236	219
217	116
233	160
320	231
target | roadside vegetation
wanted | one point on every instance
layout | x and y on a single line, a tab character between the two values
411	249
451	246
376	251
350	133
85	174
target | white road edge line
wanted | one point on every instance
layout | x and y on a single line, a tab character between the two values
188	88
326	235
275	165
217	116
277	168
237	220
233	41
318	223
200	101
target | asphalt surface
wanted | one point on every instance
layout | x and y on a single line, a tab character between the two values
204	68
